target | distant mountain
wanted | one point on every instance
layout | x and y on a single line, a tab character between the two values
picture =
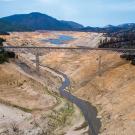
127	25
35	21
73	25
100	30
90	29
111	28
38	21
6	26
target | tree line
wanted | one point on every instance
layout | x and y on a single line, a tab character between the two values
124	40
5	55
118	40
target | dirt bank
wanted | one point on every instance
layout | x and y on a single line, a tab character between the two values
107	89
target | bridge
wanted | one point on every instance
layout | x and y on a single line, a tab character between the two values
39	51
93	122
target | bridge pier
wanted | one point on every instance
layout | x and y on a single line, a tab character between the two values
37	62
99	65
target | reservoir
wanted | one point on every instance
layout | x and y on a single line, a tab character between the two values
62	39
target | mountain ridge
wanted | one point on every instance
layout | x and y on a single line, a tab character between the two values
39	21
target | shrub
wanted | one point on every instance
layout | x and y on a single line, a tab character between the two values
3	57
4	33
11	54
133	62
1	41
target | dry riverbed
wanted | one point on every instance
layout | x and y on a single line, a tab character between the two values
110	87
28	107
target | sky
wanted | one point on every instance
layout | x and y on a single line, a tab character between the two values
86	12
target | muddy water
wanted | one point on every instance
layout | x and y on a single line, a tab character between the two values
89	111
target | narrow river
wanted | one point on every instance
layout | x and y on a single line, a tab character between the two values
89	112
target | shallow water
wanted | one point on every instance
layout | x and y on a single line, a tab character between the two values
89	111
61	40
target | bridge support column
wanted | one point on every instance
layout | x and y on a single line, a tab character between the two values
99	65
37	61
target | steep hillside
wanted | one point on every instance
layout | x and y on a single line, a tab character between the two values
29	105
72	24
6	26
110	88
16	87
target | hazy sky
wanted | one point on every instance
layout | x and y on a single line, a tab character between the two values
86	12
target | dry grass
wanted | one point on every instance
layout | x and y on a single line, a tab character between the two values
112	92
22	92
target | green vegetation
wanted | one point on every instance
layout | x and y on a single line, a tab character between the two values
6	26
119	40
57	119
1	41
5	55
60	117
4	33
123	40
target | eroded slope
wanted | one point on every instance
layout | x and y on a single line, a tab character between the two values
110	88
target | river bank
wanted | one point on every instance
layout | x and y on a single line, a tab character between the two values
77	118
89	111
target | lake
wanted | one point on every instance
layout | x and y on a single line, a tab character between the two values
62	39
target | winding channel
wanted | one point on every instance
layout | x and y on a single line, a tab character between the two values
89	111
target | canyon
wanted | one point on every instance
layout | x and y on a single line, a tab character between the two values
32	101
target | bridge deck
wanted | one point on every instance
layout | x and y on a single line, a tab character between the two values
68	48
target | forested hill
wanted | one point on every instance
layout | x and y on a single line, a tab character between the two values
35	21
38	21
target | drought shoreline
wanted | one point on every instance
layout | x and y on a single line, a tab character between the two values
89	111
